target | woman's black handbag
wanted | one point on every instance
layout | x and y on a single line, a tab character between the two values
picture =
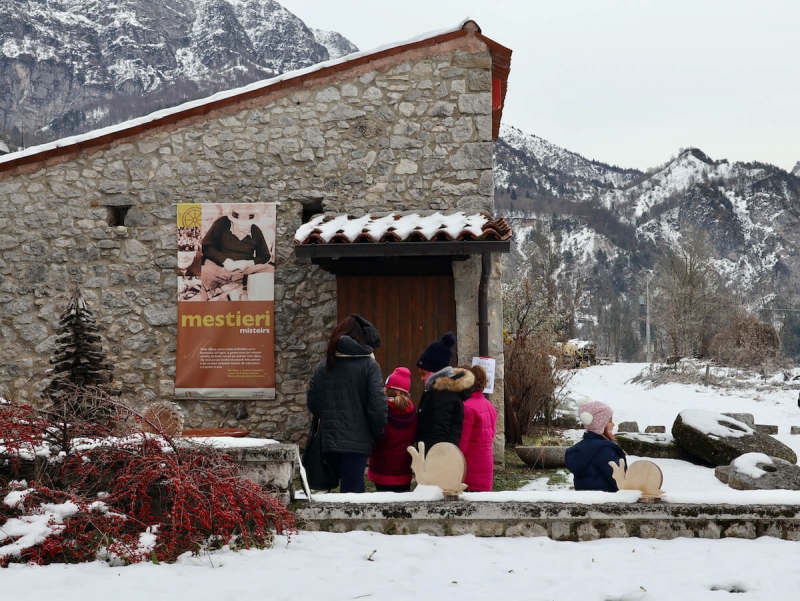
320	473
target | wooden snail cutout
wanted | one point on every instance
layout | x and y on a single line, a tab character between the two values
444	466
642	475
163	417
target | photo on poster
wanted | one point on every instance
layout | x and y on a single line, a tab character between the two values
230	248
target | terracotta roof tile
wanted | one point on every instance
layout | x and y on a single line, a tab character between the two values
348	229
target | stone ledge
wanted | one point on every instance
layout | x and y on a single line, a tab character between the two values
558	521
271	466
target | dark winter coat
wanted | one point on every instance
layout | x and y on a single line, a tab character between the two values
349	399
477	438
390	462
441	409
588	461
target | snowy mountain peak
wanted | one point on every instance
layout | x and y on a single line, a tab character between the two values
552	158
336	44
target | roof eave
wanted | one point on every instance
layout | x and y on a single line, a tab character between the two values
402	249
501	67
59	152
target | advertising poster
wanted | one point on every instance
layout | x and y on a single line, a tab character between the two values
226	301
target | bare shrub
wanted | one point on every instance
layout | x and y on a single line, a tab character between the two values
534	385
743	341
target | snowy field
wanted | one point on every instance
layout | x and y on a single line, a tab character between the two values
362	565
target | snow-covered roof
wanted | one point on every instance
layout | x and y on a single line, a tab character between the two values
205	105
325	229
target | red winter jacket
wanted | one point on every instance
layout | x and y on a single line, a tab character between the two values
390	462
477	436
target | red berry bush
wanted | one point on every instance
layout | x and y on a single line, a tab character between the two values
73	490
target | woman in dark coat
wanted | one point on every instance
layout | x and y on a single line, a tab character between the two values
588	459
346	393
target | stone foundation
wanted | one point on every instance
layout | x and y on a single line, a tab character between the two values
558	521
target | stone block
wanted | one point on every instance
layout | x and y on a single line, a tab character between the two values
560	531
740	530
766	428
487	528
587	531
616	529
745	418
628	427
794	430
655	430
771	474
527	529
271	466
431	529
710	530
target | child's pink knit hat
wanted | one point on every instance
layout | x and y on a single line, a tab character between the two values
595	415
399	379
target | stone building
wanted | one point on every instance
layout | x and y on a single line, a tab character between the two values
405	129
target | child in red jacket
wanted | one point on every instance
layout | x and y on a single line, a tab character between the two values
390	462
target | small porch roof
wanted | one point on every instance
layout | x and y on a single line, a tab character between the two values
347	236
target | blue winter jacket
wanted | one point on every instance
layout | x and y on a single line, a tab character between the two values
588	461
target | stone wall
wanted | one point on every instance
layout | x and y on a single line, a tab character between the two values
406	132
558	521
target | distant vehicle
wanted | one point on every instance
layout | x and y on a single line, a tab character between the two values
576	353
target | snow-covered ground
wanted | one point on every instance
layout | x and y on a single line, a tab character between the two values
363	565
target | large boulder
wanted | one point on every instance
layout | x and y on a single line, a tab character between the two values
756	471
717	439
658	446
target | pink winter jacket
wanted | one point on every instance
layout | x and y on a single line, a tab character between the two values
477	436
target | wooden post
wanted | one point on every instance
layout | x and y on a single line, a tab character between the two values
708	367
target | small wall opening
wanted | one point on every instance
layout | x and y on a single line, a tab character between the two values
311	208
116	215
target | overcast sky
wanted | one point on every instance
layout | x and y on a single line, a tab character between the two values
626	82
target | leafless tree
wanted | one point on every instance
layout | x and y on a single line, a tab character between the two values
687	295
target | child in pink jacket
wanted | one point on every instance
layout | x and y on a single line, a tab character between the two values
477	435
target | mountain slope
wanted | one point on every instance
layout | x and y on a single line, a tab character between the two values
609	219
68	66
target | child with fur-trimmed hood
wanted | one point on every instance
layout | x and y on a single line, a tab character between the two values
441	408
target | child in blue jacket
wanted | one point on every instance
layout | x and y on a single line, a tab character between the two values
588	459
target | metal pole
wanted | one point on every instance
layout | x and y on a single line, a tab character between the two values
649	354
483	305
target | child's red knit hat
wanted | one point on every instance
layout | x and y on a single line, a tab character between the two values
399	379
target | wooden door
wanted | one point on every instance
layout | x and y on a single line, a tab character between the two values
410	312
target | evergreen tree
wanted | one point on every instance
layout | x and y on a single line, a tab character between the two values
79	360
